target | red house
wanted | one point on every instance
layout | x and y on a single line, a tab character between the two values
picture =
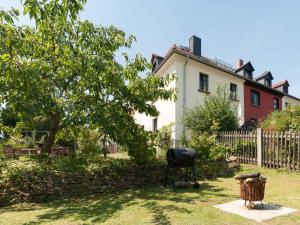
259	97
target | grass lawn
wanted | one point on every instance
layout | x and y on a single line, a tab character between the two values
159	205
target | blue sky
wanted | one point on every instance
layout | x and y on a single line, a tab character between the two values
265	32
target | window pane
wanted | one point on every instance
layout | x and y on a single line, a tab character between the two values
255	98
276	103
203	82
154	125
233	89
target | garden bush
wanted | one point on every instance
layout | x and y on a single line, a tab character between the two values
218	112
163	140
202	144
207	148
287	119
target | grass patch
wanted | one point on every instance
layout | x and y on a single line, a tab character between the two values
159	205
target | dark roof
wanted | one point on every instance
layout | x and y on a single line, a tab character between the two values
247	66
265	74
154	56
185	52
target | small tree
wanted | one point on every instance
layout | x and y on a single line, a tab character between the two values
218	112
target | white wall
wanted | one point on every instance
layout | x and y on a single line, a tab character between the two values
172	112
193	96
290	101
166	108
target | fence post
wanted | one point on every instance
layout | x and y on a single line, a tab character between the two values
259	147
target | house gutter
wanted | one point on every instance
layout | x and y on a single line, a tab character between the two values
184	89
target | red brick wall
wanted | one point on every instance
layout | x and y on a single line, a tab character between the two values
266	103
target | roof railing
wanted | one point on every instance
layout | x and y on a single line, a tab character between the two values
223	64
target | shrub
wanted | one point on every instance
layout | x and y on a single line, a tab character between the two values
89	142
218	112
288	119
163	139
67	138
202	144
207	148
218	152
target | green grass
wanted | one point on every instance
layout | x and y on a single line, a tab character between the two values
159	205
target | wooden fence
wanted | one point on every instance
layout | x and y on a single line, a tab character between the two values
264	148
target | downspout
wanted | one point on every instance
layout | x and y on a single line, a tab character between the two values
184	90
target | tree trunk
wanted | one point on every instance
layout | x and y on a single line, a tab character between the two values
54	120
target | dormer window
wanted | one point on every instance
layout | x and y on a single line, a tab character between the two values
265	79
248	74
268	82
282	86
245	70
156	60
154	65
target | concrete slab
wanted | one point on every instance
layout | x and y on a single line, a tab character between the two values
259	213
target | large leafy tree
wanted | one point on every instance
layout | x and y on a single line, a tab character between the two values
64	69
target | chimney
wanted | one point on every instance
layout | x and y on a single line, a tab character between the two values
195	45
239	63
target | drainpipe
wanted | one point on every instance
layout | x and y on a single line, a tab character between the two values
184	90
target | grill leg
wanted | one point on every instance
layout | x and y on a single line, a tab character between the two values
186	175
173	170
194	175
166	175
262	205
245	201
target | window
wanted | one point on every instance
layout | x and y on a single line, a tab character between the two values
255	98
248	74
285	89
268	82
203	86
276	103
154	125
233	91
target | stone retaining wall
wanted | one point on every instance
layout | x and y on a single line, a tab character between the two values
41	187
33	187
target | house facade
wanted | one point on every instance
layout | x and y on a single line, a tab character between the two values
287	100
198	76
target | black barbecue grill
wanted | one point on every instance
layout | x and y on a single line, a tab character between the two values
178	158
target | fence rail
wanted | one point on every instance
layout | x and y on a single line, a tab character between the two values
268	149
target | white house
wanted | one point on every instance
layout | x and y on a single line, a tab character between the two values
197	77
287	99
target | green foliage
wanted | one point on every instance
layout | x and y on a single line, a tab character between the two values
8	117
14	168
163	138
67	137
16	140
64	69
202	144
218	152
207	148
218	112
89	142
288	119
